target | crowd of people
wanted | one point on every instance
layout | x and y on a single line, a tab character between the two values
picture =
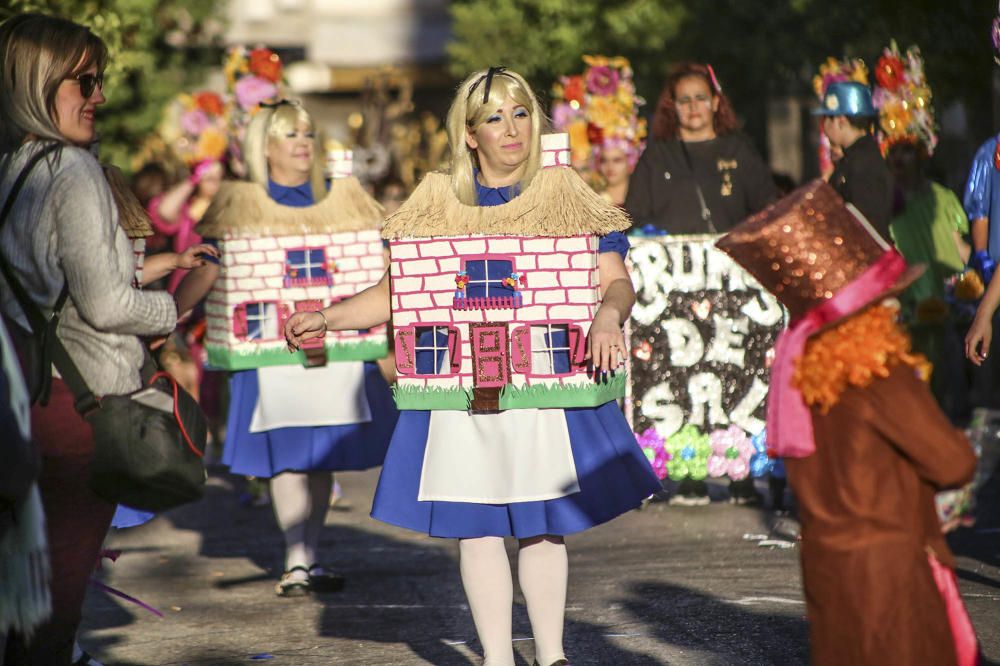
832	252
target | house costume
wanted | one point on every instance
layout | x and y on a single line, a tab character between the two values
864	450
281	252
502	429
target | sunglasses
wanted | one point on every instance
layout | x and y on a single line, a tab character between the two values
88	83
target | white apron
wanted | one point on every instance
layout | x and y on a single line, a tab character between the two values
520	455
292	396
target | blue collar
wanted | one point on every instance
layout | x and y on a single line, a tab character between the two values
298	196
494	196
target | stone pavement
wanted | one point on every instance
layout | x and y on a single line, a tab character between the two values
664	585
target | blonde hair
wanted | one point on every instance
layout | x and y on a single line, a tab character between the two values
468	112
37	53
271	123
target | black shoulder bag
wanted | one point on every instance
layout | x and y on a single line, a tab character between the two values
149	444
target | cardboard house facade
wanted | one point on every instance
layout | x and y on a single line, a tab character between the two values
277	260
491	306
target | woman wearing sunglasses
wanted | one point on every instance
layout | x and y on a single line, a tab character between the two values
63	229
494	129
699	176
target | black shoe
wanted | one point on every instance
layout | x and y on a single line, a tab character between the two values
324	581
557	662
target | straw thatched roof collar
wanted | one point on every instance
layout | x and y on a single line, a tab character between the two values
245	209
557	202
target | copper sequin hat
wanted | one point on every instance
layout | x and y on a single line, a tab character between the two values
808	246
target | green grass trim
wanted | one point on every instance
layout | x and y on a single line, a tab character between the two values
223	358
562	396
424	398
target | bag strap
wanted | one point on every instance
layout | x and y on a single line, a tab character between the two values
706	212
52	346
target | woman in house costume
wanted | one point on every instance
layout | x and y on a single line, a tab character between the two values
286	244
864	443
505	430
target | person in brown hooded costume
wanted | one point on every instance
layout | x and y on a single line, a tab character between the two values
864	443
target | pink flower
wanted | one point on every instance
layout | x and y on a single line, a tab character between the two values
252	90
731	452
194	122
602	80
562	115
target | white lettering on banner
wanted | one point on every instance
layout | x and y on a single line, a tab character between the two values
721	265
701	328
659	404
743	414
727	344
705	390
649	263
686	346
764	309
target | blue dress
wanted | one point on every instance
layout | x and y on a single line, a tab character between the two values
982	194
265	454
613	473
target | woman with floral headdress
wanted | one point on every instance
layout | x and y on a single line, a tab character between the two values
599	109
494	128
928	222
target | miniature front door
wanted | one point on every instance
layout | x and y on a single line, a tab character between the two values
314	348
490	364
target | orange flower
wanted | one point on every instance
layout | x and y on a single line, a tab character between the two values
266	64
574	89
209	102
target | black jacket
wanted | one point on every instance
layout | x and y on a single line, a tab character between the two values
734	181
862	178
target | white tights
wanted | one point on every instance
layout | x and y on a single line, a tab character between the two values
542	571
300	503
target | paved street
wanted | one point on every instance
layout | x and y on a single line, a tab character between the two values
664	585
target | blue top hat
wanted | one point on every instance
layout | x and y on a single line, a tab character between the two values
847	98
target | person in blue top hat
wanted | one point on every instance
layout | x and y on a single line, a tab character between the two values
861	176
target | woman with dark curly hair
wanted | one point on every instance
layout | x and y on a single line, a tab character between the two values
698	175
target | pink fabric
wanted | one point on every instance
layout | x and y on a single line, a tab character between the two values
789	424
182	232
966	647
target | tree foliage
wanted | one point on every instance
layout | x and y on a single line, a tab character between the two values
158	49
758	47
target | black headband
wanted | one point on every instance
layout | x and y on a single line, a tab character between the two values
488	77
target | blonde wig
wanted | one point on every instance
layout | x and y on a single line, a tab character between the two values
37	53
271	123
468	111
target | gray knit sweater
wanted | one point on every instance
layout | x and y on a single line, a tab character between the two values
64	226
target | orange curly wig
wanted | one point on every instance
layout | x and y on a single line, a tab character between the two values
854	353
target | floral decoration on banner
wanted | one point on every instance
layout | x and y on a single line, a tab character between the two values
689	450
731	453
761	463
195	127
834	71
653	445
903	99
599	109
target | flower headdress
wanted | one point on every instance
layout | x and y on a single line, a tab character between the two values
903	100
253	76
832	71
195	127
599	110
